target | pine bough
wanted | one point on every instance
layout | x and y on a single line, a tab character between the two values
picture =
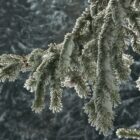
93	52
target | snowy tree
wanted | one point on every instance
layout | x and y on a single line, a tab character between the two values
91	55
13	25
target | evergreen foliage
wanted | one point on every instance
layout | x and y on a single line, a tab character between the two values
128	133
93	52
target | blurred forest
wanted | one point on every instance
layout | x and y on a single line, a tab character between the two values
29	24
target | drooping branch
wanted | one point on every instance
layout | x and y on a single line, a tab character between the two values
92	52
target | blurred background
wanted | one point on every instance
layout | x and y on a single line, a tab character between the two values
29	24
